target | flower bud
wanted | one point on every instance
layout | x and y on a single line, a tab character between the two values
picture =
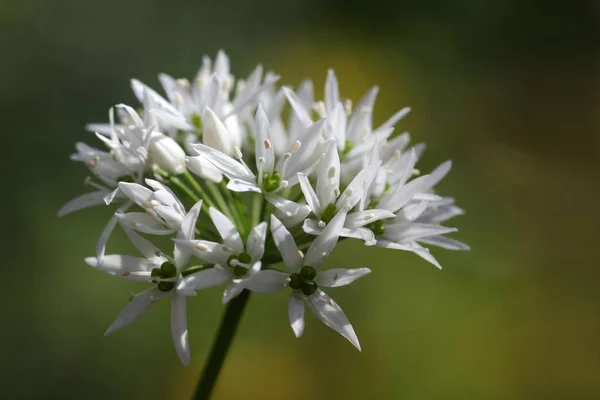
166	153
204	169
215	133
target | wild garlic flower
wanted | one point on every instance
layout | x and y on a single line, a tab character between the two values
277	191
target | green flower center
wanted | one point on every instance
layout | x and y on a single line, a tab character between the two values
166	270
239	270
378	227
271	181
304	280
126	178
197	121
348	146
328	213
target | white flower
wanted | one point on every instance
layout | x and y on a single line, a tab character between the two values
203	168
166	154
272	176
327	200
154	267
233	261
304	278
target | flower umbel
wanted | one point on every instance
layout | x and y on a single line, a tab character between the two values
252	198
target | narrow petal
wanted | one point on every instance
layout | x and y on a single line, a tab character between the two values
227	230
296	314
301	112
83	201
179	330
144	246
143	222
101	244
237	185
340	276
122	265
361	218
393	120
414	230
310	195
332	93
214	276
139	304
292	212
285	244
438	174
232	291
136	192
266	281
444	242
322	246
265	156
211	252
186	231
227	165
215	134
332	315
255	245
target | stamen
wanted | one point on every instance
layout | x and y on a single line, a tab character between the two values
336	276
267	144
348	106
331	302
178	98
337	193
201	247
321	224
331	172
416	172
300	253
320	108
183	83
237	152
296	146
349	192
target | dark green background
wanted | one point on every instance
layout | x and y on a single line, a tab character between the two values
507	89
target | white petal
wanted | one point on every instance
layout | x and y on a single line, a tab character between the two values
227	230
232	291
101	244
340	276
444	242
393	120
292	212
179	330
438	174
328	177
285	244
263	147
136	192
237	185
139	88
332	94
145	223
83	201
228	166
296	314
397	198
361	218
332	315
124	265
186	231
215	134
255	245
211	252
322	246
203	168
414	230
266	281
363	234
146	248
137	306
214	276
309	194
301	112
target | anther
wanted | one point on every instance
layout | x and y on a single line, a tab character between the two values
183	83
286	156
300	253
178	98
348	106
321	224
416	172
296	146
331	172
201	247
267	144
237	152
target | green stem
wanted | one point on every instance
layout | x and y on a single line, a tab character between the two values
227	329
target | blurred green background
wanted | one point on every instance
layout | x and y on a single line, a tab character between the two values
507	89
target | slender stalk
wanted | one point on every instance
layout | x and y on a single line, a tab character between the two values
227	330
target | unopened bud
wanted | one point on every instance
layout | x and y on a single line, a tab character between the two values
166	153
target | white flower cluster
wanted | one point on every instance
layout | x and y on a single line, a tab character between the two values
242	188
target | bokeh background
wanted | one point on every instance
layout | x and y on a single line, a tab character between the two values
508	89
